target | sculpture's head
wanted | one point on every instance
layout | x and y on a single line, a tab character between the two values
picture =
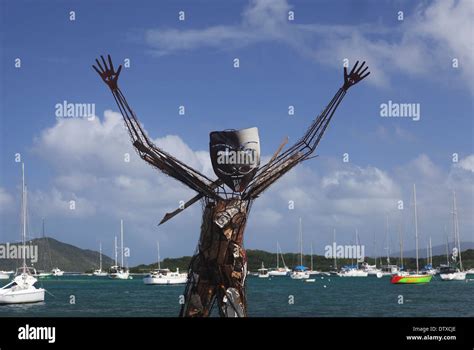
235	156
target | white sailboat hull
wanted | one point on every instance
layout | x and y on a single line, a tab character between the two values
299	275
165	280
455	276
4	276
120	275
353	273
278	273
30	295
99	274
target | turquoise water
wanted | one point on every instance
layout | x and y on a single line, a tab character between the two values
327	296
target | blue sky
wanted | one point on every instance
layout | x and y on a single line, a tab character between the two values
282	63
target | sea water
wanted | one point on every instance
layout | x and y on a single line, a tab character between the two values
274	297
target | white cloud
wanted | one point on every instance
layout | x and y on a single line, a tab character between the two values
466	163
6	200
424	44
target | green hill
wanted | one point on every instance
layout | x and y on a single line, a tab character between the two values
53	253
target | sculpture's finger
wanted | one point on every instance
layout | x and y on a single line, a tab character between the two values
361	66
103	60
355	67
362	72
110	63
364	76
118	70
345	73
98	71
98	63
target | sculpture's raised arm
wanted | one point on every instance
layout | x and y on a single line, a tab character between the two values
303	149
145	147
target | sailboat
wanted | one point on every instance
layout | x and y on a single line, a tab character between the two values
263	272
300	272
372	270
415	278
452	273
334	271
22	289
388	269
99	272
429	269
353	270
164	276
280	271
311	271
119	272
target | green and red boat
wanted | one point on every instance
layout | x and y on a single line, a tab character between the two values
414	278
411	279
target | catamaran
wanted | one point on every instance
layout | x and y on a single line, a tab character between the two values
416	278
22	289
119	272
300	272
280	271
164	276
99	272
452	273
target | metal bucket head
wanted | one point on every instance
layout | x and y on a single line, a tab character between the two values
235	156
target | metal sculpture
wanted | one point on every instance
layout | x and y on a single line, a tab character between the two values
218	269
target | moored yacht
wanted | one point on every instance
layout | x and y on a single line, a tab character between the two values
98	272
280	271
164	276
22	289
263	272
119	272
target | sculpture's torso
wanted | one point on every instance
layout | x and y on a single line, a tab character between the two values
219	268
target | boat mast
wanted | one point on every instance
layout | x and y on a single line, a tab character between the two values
121	242
431	253
282	258
301	243
456	226
278	260
311	256
334	252
401	245
115	248
375	251
23	200
447	247
100	256
357	245
416	229
386	238
158	247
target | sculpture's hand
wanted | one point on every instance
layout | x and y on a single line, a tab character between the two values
356	75
108	75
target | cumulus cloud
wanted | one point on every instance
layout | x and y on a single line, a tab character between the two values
6	200
429	38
